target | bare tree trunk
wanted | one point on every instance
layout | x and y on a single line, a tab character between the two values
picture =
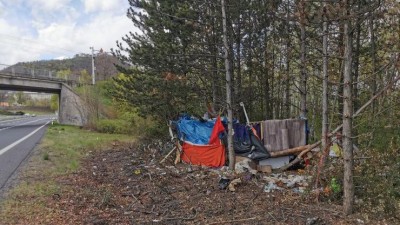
341	63
356	64
268	88
348	185
373	59
228	70
216	86
325	121
303	72
238	79
288	50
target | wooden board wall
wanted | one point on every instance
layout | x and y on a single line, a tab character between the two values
282	134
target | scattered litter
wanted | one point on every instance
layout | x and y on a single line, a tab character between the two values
264	168
295	180
335	150
248	176
360	221
299	190
275	163
298	183
233	183
314	221
223	183
244	166
271	186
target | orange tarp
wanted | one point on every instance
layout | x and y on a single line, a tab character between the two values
204	155
218	128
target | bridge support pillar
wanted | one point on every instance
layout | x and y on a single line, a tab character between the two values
72	110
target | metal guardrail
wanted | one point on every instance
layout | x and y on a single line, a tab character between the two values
33	73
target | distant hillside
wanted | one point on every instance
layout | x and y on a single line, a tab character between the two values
104	64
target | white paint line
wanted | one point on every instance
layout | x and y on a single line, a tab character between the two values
2	151
4	121
21	124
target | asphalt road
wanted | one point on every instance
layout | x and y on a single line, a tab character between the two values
18	137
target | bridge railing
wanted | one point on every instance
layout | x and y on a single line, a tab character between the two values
35	73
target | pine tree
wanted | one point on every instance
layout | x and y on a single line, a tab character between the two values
159	78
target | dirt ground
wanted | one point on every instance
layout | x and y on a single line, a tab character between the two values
128	185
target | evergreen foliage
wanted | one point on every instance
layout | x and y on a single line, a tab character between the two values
175	63
168	62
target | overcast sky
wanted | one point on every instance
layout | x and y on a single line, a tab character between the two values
54	29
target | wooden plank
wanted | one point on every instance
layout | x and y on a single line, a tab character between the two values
285	138
291	151
297	132
277	139
264	168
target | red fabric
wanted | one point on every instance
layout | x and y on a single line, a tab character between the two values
204	155
255	132
218	128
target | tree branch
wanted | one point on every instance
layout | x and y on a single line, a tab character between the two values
357	113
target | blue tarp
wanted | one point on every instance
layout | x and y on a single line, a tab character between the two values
241	133
195	131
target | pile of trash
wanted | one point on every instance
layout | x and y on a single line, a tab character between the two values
281	181
270	182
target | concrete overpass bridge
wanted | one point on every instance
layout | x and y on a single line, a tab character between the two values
72	110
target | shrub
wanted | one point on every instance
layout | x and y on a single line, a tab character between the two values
378	179
4	112
129	123
112	126
46	156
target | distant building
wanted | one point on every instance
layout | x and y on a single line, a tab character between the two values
4	104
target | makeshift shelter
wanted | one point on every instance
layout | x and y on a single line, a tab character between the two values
204	141
201	141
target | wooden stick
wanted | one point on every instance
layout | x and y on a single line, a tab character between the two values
182	218
289	151
178	153
169	153
233	221
300	156
273	216
376	96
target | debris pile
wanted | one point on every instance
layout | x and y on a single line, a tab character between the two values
296	183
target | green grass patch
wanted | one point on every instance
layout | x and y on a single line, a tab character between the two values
60	152
46	156
5	112
67	145
113	126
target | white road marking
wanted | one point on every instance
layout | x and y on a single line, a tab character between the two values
2	151
20	124
3	121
